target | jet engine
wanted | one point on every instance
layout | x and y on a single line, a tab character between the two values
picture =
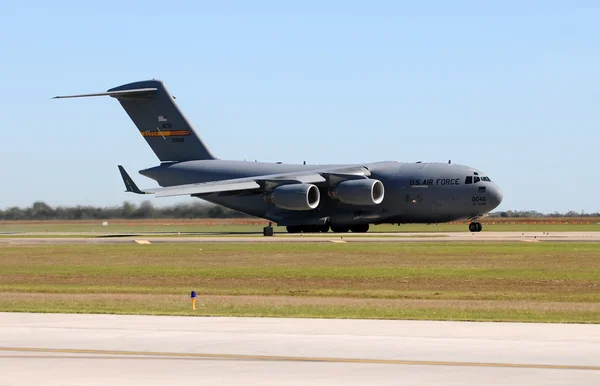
358	192
295	197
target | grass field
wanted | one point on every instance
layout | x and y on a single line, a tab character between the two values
444	281
243	226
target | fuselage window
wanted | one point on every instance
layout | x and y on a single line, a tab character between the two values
476	180
468	180
485	179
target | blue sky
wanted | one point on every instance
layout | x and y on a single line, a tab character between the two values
509	87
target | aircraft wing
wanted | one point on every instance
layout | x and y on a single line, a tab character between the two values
326	176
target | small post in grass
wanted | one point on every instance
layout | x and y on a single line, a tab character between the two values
193	297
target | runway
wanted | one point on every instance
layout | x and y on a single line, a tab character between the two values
154	350
174	238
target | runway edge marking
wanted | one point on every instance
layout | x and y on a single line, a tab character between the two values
295	359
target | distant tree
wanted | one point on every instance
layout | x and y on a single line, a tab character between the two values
39	210
216	212
127	210
14	213
146	210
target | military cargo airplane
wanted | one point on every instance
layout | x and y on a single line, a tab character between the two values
304	198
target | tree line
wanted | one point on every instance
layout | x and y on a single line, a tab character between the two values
534	214
127	210
146	210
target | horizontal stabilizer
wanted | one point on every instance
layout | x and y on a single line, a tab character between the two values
159	120
116	94
130	186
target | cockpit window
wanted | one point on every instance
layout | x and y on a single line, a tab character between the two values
475	179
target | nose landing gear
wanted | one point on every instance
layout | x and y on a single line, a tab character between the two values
475	227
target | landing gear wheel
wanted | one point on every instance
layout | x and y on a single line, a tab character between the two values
268	230
313	229
362	228
293	229
307	228
475	227
339	229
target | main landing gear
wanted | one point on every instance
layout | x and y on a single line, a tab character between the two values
475	227
362	228
307	228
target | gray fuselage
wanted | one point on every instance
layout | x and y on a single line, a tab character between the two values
414	192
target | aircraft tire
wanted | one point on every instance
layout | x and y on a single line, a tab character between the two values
339	228
293	229
362	228
312	229
307	228
475	227
324	228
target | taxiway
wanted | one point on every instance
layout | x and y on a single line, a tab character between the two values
175	238
154	350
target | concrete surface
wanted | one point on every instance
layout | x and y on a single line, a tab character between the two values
281	238
154	350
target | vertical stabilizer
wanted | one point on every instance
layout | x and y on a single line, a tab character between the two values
160	122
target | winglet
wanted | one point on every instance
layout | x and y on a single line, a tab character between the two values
129	184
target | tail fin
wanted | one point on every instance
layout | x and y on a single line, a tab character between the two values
158	118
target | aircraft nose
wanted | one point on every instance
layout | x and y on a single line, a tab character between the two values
494	196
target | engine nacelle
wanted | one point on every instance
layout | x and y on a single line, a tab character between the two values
295	197
358	192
